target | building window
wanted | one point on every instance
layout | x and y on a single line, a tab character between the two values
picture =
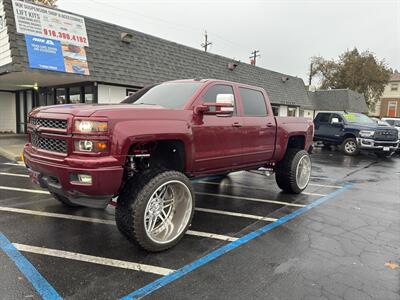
275	110
61	96
291	111
392	109
394	87
89	92
75	94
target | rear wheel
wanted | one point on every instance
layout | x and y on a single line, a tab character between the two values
294	171
349	147
155	209
64	200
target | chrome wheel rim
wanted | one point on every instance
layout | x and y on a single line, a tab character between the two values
303	171
350	147
168	212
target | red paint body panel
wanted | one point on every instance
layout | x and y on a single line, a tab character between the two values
212	144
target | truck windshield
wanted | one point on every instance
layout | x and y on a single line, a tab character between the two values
358	118
169	95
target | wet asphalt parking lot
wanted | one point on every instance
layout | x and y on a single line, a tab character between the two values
340	239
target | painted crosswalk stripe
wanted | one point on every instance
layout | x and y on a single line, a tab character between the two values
104	221
252	199
234	214
93	259
13	174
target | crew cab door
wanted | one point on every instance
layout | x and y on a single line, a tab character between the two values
259	127
216	140
322	127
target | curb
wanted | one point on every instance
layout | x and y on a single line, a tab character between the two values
9	155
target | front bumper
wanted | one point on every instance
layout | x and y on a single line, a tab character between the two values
57	177
370	144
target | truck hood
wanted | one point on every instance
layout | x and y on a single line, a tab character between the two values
86	110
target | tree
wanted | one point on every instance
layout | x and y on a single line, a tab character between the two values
361	72
51	3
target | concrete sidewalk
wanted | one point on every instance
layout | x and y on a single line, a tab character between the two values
11	145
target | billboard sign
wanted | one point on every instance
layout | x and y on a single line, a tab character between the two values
45	22
53	55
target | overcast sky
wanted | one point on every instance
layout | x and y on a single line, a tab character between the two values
287	33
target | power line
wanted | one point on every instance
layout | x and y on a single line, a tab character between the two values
206	42
254	56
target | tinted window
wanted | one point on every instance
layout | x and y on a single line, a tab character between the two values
212	92
253	102
323	118
169	95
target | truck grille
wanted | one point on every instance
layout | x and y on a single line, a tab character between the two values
49	123
49	144
386	135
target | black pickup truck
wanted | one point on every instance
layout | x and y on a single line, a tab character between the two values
353	132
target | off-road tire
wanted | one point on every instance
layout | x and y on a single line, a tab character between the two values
344	150
285	172
131	206
64	200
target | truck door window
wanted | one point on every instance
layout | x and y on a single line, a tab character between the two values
253	102
213	91
323	118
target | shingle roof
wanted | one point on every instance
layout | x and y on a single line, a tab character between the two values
338	100
148	59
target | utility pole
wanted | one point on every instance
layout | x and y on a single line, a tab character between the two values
206	42
254	56
310	76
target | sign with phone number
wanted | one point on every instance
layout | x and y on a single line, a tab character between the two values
41	21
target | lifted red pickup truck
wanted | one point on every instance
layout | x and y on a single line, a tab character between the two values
145	149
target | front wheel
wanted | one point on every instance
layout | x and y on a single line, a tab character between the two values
349	147
294	171
155	209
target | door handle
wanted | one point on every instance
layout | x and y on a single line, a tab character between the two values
270	124
237	124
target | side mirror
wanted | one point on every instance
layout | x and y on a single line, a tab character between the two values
224	106
226	99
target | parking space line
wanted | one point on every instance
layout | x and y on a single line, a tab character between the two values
165	280
234	214
13	174
104	221
94	259
251	199
212	235
326	185
41	285
9	188
20	164
313	194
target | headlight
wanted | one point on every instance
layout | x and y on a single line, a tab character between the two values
366	133
85	126
91	146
